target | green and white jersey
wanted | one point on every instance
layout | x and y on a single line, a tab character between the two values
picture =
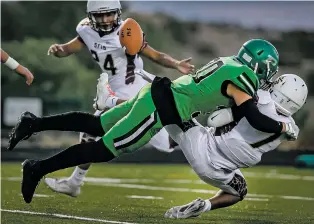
206	89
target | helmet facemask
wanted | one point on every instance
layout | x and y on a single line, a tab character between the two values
105	21
266	70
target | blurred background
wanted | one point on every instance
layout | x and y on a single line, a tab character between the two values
202	30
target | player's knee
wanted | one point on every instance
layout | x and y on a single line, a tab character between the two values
238	183
103	150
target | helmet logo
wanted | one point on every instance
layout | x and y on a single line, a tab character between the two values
246	57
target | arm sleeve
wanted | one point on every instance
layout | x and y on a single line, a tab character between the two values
256	119
236	112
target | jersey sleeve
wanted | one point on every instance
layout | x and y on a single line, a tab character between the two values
246	80
81	27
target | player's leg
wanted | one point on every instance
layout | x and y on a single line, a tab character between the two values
71	121
136	129
127	135
71	186
231	193
161	141
198	145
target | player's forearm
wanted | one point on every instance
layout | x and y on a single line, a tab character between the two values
8	61
258	120
4	56
166	61
65	53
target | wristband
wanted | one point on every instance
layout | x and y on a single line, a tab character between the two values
11	63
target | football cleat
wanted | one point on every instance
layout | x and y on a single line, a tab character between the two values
22	130
63	186
193	209
30	180
103	92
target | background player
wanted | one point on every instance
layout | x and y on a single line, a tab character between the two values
14	65
217	159
99	33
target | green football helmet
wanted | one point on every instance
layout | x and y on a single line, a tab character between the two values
262	57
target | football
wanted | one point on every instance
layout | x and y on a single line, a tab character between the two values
131	36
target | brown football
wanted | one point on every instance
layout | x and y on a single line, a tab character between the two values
131	36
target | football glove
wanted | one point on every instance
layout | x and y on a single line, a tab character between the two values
292	131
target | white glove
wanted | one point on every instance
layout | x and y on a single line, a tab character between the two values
292	131
220	118
102	92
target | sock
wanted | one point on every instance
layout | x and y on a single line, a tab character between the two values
72	121
89	152
209	204
77	176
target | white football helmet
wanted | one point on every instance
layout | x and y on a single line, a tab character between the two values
99	7
289	92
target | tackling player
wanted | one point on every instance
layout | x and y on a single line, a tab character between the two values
130	125
217	159
99	33
14	65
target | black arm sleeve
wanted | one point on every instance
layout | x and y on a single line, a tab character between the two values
237	113
257	120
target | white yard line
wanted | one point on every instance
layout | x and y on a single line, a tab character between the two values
131	183
256	199
64	216
203	191
144	197
42	195
297	198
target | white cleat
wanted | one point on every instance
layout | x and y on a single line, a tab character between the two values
63	186
193	209
103	92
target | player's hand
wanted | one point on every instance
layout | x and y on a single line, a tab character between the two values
26	73
291	131
185	67
54	49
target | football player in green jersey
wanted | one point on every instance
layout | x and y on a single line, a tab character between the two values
130	125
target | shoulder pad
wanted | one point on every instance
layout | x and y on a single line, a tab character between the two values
82	24
263	97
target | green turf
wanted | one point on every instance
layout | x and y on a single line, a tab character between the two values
111	202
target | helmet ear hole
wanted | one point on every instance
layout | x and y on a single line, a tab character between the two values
260	52
259	71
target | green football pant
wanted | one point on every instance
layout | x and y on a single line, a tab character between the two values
130	125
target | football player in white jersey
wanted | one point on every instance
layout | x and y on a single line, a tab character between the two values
100	34
217	159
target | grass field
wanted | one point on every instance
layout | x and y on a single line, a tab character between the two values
113	194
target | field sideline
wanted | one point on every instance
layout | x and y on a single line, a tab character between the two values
125	193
